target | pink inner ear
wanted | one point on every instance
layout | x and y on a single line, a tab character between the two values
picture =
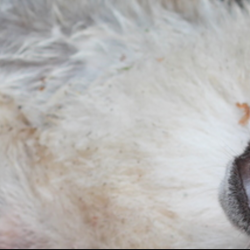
14	234
8	233
11	236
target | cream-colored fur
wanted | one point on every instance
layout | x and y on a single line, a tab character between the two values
117	122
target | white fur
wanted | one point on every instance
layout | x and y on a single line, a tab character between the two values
117	122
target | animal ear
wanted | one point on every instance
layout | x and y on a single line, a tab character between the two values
235	192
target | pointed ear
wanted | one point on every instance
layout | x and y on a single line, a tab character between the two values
235	192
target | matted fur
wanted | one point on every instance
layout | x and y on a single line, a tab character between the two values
117	122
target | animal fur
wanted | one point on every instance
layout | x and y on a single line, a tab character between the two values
117	122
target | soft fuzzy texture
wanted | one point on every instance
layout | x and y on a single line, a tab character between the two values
117	122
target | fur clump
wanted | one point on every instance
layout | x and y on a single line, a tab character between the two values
117	121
